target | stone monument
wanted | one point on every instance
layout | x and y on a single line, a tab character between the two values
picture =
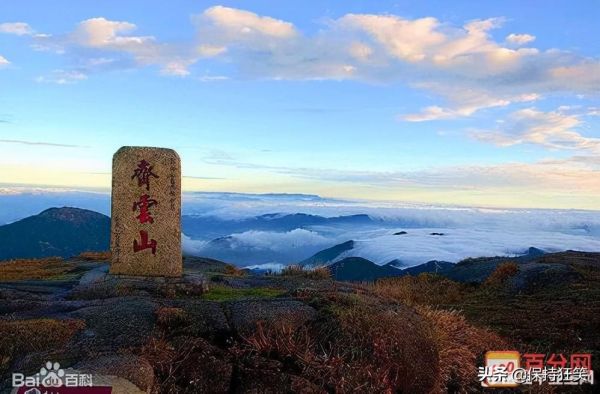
146	212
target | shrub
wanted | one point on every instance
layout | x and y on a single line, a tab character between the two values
355	346
424	289
461	347
232	270
314	273
502	273
171	318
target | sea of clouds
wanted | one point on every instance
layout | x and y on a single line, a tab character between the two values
468	232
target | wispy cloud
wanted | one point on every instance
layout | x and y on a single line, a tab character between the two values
38	143
579	174
62	77
519	39
554	129
16	28
201	177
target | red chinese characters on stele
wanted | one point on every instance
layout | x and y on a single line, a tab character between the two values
143	173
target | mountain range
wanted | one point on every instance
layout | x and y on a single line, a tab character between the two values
63	232
211	227
68	231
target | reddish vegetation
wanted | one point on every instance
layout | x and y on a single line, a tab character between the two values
461	347
502	273
34	269
232	270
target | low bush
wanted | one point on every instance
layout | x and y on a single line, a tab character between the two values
308	273
232	270
502	273
356	346
424	289
460	347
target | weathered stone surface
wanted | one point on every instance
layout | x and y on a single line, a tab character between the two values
112	324
146	212
207	318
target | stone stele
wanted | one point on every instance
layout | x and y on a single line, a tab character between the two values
146	212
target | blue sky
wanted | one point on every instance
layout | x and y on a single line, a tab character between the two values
470	103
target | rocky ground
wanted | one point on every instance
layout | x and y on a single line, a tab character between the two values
222	330
105	321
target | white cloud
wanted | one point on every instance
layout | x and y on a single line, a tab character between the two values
465	102
360	51
593	111
519	39
498	238
409	40
100	32
427	53
552	129
583	76
240	24
62	77
3	61
100	36
17	28
213	78
176	68
211	50
276	241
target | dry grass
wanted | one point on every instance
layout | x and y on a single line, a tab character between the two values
461	347
187	365
34	269
424	289
299	271
95	256
171	318
357	347
18	337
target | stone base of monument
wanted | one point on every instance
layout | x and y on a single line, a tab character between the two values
189	284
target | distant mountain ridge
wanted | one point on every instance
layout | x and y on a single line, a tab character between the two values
61	232
327	256
211	227
357	269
